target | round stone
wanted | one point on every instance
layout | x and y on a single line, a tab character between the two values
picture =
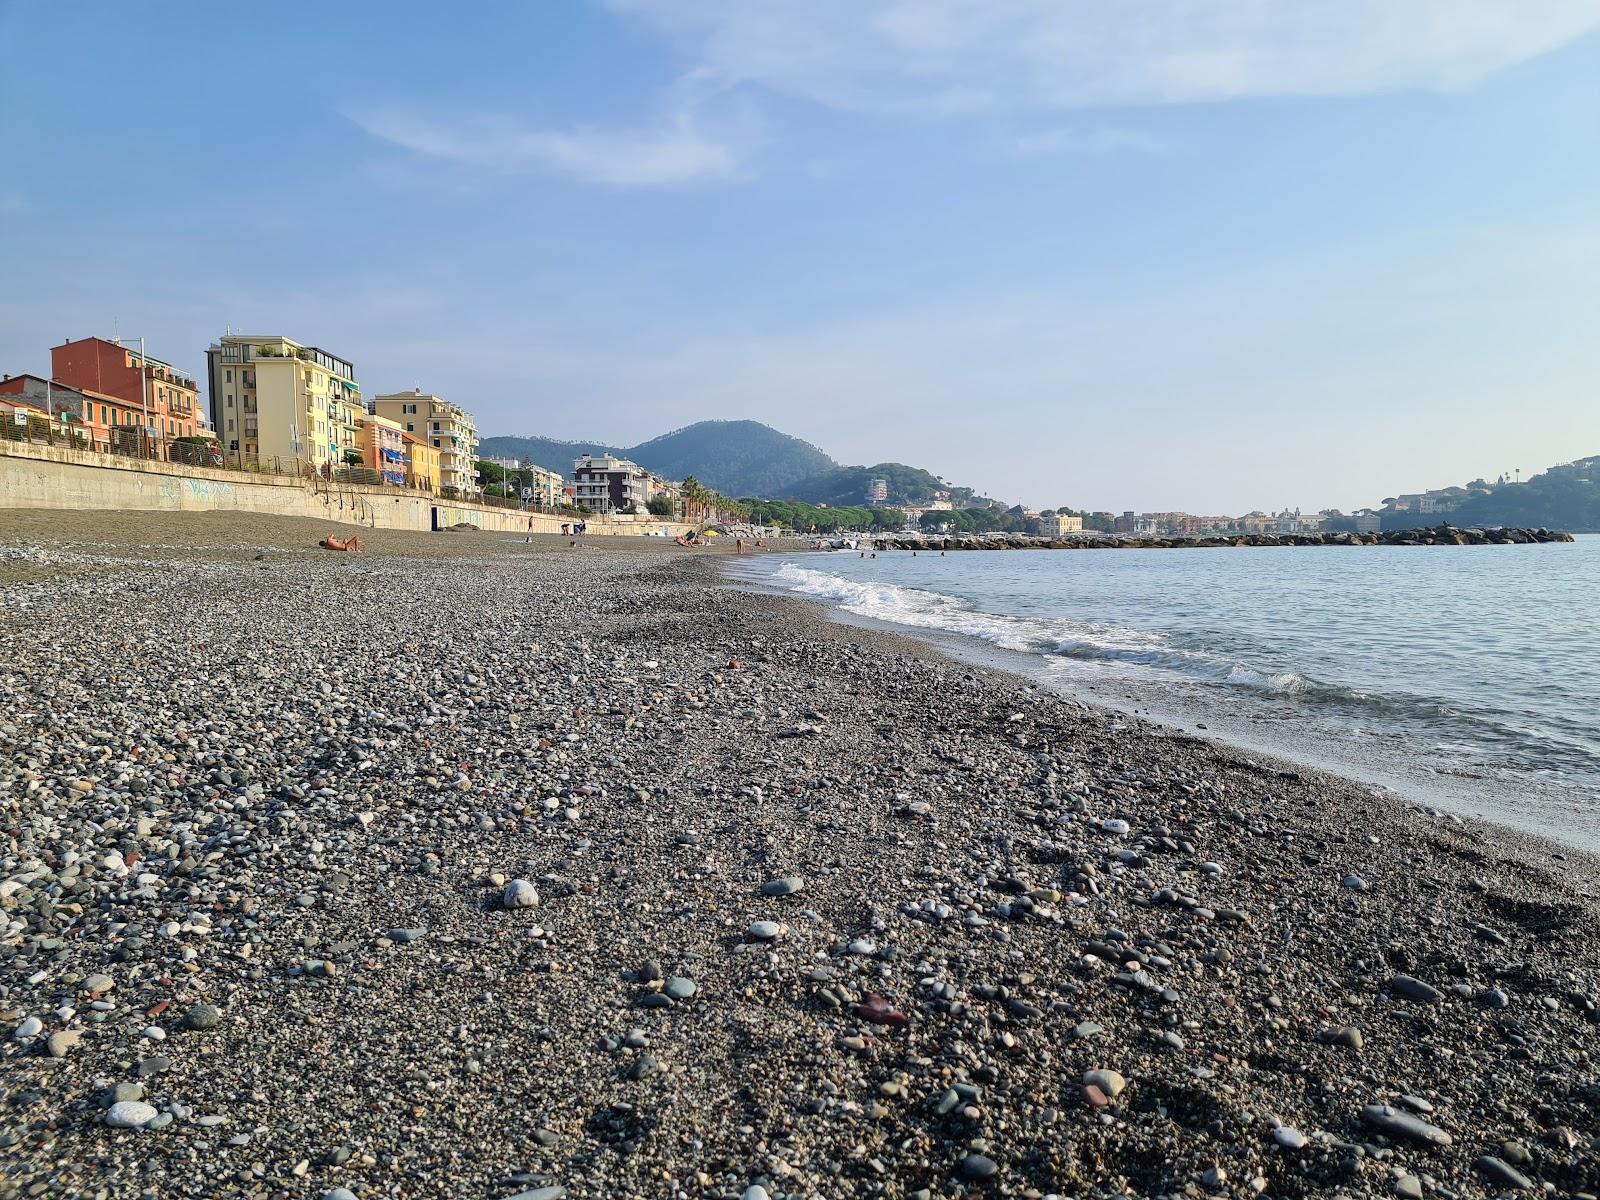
1289	1137
130	1114
202	1017
978	1166
765	931
1108	1082
787	886
680	988
30	1028
1115	826
519	893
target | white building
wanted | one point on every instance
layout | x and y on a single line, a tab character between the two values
603	483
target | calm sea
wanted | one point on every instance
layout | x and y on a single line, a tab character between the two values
1464	676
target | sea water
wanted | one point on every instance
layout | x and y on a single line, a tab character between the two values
1465	676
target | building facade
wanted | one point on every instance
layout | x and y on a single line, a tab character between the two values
383	449
603	483
273	397
447	427
1060	523
422	462
166	399
106	423
545	487
877	491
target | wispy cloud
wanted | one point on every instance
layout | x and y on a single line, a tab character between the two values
675	153
996	55
1045	143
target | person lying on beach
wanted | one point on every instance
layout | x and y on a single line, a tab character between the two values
348	545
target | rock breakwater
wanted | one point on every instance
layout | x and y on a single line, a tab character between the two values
1445	535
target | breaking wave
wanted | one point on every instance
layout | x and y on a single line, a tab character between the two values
1139	651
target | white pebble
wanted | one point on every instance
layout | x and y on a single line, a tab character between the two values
519	893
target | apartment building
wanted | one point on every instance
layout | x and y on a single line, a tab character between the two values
603	483
105	423
422	462
273	397
383	449
447	427
166	398
546	487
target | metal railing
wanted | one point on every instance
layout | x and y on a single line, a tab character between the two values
135	442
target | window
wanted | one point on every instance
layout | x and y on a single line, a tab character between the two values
410	428
228	376
230	399
436	441
230	424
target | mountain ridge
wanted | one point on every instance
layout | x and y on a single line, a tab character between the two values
736	458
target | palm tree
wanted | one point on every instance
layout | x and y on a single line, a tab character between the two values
697	500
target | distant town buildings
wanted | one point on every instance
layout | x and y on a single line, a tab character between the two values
877	491
446	426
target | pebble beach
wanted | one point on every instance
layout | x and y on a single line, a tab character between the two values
469	867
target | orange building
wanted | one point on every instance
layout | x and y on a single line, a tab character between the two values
165	398
383	448
104	421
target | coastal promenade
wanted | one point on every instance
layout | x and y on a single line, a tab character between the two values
470	867
56	477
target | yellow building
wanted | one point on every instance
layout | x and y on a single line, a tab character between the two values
1060	523
272	397
447	427
422	463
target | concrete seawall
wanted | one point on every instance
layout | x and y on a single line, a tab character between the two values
54	477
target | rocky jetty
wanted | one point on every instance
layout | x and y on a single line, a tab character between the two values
1444	535
460	868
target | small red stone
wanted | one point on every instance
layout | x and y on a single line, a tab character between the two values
878	1011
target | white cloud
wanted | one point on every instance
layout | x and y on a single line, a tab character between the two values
676	153
997	55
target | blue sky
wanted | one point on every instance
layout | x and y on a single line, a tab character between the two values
1148	254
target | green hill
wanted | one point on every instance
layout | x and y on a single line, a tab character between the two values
1563	497
737	458
848	485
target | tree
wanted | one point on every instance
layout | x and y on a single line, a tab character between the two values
662	506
